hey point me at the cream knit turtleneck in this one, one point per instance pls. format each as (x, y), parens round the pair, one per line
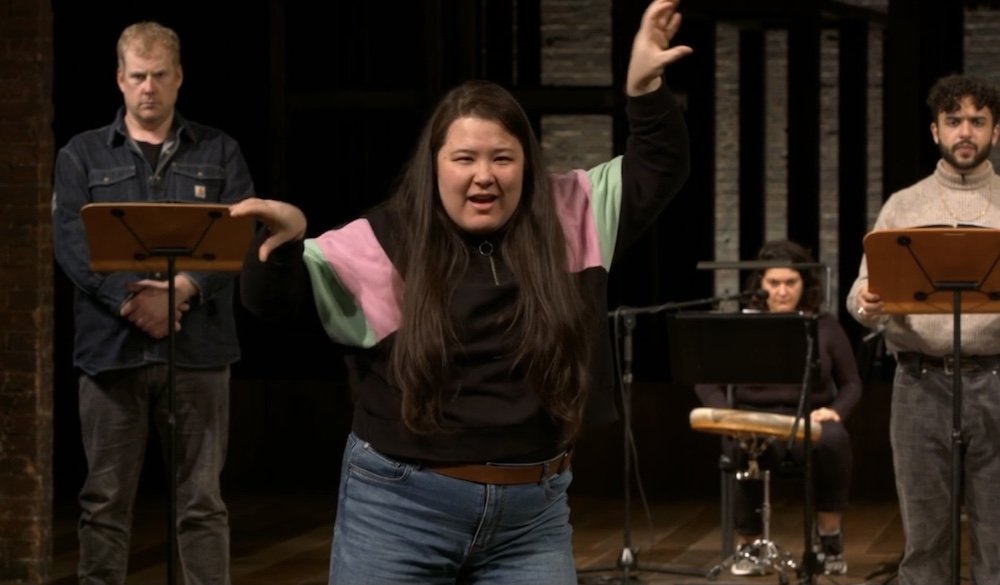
(942, 199)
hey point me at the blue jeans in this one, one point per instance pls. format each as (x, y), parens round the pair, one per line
(920, 430)
(401, 523)
(115, 410)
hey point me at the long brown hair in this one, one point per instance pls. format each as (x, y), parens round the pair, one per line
(554, 348)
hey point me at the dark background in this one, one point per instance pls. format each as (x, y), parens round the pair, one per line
(326, 99)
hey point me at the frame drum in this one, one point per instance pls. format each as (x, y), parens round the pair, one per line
(745, 423)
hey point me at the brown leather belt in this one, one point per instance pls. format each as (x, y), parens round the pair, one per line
(506, 474)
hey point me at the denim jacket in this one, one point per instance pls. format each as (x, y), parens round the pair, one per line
(197, 164)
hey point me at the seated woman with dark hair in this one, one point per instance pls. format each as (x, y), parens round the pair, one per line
(838, 390)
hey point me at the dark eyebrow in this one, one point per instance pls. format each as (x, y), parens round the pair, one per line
(961, 117)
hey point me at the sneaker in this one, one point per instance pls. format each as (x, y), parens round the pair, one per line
(831, 555)
(746, 564)
(834, 565)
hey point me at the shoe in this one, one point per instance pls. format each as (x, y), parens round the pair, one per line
(831, 555)
(834, 565)
(746, 564)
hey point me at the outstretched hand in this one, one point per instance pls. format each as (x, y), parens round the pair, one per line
(651, 50)
(284, 222)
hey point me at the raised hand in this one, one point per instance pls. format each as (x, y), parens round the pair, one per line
(284, 221)
(651, 50)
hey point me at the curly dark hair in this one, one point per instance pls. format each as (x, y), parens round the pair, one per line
(793, 253)
(947, 93)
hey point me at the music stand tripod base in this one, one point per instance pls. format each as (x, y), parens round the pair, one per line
(627, 564)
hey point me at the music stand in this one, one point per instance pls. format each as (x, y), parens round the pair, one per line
(166, 237)
(939, 270)
(785, 350)
(627, 560)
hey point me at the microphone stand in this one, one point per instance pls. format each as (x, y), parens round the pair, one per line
(809, 564)
(627, 560)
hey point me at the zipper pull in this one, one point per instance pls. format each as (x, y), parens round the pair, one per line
(486, 249)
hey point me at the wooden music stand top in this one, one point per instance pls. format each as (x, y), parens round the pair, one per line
(918, 270)
(138, 237)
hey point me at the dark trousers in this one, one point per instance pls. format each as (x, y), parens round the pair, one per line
(115, 411)
(920, 429)
(831, 466)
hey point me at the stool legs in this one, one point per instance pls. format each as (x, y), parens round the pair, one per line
(770, 554)
(763, 552)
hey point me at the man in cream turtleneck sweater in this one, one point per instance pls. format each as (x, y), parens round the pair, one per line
(964, 189)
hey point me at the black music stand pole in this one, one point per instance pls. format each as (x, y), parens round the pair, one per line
(627, 561)
(809, 565)
(138, 237)
(171, 256)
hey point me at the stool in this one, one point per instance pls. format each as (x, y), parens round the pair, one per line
(754, 432)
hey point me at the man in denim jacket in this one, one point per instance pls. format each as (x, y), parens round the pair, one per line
(149, 153)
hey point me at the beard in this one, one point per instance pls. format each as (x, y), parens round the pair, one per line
(948, 155)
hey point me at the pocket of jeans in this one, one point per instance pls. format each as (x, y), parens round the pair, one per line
(556, 485)
(369, 464)
(907, 375)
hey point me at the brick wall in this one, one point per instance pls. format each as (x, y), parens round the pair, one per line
(26, 152)
(776, 171)
(982, 50)
(576, 51)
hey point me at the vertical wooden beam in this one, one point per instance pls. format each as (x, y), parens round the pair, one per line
(924, 41)
(529, 43)
(277, 56)
(529, 52)
(852, 167)
(625, 16)
(803, 131)
(496, 25)
(434, 51)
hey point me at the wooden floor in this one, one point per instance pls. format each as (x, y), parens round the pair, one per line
(282, 538)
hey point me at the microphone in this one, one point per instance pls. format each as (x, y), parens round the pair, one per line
(741, 296)
(747, 295)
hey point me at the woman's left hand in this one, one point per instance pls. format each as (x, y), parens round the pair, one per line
(822, 414)
(651, 50)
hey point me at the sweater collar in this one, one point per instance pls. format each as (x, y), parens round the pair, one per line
(964, 182)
